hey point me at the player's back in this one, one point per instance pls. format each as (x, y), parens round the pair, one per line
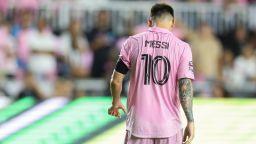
(156, 59)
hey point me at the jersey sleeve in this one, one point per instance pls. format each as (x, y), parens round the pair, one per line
(185, 69)
(125, 53)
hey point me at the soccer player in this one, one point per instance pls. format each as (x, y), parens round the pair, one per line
(161, 71)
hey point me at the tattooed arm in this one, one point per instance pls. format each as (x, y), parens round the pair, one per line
(186, 97)
(186, 100)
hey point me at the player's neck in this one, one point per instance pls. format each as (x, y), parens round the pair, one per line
(163, 26)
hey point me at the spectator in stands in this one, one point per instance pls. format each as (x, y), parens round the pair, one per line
(207, 52)
(101, 39)
(8, 63)
(236, 40)
(77, 51)
(24, 21)
(228, 66)
(21, 31)
(252, 39)
(245, 65)
(42, 62)
(230, 77)
(31, 88)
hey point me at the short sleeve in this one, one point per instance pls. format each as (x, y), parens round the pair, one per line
(125, 53)
(185, 69)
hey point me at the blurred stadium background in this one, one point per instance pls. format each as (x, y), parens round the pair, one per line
(56, 57)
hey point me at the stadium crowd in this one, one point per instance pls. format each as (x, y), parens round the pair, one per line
(38, 60)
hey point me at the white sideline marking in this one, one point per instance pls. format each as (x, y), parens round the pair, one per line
(30, 116)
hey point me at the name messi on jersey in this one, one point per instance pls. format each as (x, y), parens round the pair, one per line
(156, 44)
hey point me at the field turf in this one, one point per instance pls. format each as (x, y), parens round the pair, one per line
(218, 121)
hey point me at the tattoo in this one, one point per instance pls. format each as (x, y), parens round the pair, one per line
(186, 97)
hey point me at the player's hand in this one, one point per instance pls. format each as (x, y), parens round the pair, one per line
(114, 109)
(189, 133)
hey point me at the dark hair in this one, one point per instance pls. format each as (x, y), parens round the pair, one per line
(159, 9)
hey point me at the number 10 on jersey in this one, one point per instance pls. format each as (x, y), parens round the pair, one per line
(151, 69)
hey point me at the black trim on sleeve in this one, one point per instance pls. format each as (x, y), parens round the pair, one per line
(121, 67)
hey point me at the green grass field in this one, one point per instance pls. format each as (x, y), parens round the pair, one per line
(218, 121)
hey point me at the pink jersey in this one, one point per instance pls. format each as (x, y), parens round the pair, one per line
(157, 60)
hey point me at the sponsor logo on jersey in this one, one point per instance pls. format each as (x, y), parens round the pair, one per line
(190, 66)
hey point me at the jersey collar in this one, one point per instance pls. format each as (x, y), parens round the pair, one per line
(158, 29)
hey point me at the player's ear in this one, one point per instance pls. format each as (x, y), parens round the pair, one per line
(150, 22)
(172, 23)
